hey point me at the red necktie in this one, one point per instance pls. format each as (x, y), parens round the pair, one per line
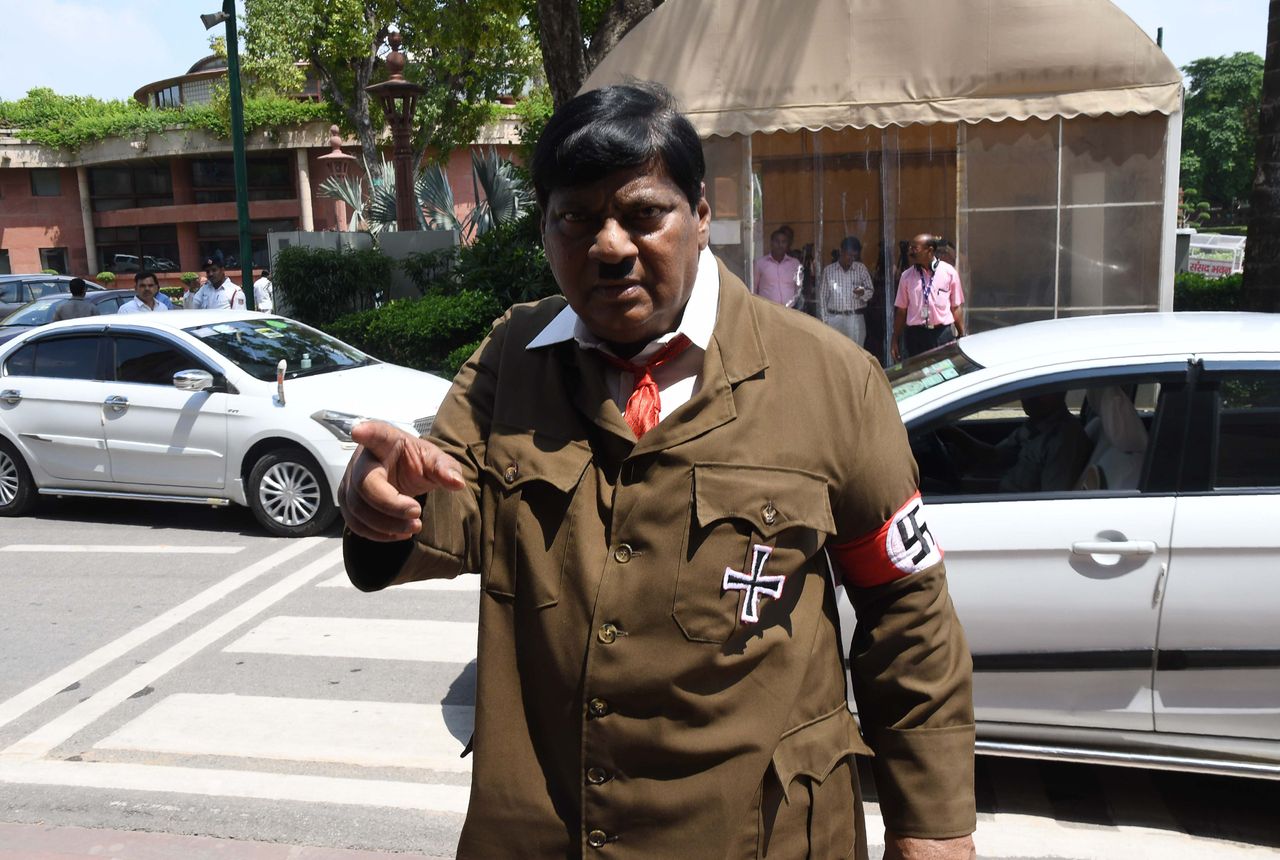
(644, 406)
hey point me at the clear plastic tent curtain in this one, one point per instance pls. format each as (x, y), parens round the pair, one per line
(1050, 218)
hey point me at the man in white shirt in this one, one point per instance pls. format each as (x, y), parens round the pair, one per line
(264, 293)
(220, 293)
(846, 288)
(146, 286)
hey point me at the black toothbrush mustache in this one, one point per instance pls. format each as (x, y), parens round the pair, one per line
(617, 271)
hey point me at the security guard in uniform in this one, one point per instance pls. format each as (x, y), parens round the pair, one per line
(651, 501)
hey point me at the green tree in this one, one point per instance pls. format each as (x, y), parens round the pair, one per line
(466, 53)
(1262, 253)
(1220, 127)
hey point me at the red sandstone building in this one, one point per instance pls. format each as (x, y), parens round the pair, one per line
(164, 201)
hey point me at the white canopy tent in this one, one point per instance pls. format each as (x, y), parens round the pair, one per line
(1042, 136)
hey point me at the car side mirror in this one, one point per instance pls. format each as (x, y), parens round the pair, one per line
(193, 380)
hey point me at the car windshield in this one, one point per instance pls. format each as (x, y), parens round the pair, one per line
(922, 372)
(258, 345)
(38, 312)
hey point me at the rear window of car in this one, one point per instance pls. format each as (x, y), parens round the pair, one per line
(257, 346)
(38, 312)
(59, 358)
(922, 372)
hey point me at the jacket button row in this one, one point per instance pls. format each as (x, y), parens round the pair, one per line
(512, 472)
(597, 838)
(623, 554)
(597, 707)
(608, 633)
(597, 776)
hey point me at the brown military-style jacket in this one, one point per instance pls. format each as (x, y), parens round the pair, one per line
(625, 708)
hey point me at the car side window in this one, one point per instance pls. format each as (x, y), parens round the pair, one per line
(150, 362)
(21, 362)
(66, 358)
(9, 291)
(40, 289)
(1248, 431)
(1090, 436)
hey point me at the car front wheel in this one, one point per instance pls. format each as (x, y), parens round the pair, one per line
(17, 490)
(289, 494)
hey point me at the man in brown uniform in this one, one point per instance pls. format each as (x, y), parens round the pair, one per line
(647, 493)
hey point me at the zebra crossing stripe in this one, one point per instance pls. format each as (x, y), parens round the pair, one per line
(364, 733)
(370, 638)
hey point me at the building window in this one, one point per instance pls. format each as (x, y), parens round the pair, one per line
(46, 182)
(4, 263)
(223, 237)
(134, 187)
(213, 179)
(128, 249)
(55, 259)
(169, 97)
(198, 92)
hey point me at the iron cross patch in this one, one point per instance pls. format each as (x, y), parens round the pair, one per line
(755, 583)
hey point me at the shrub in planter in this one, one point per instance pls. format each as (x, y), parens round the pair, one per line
(107, 279)
(1192, 292)
(435, 333)
(318, 285)
(189, 278)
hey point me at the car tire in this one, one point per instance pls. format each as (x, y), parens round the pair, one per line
(17, 489)
(289, 494)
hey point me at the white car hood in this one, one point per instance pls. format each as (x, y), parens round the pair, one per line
(385, 391)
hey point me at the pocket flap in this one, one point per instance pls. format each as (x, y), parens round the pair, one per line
(814, 749)
(516, 457)
(771, 499)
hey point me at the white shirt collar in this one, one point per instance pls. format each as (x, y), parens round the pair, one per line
(697, 324)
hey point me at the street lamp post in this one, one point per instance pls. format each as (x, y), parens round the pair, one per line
(339, 165)
(398, 98)
(228, 16)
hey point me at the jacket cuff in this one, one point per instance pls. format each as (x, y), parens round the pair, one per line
(924, 779)
(372, 566)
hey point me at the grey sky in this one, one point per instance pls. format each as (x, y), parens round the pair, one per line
(109, 49)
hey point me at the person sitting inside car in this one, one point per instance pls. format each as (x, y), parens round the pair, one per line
(1047, 453)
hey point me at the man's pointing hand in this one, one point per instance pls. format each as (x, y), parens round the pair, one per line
(386, 473)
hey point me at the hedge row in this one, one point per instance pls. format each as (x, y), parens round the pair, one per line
(1192, 292)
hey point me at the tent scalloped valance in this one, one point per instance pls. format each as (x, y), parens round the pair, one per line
(745, 66)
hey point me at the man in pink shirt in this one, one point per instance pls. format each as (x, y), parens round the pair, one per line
(777, 274)
(928, 301)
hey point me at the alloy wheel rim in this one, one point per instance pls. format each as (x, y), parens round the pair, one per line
(289, 493)
(8, 479)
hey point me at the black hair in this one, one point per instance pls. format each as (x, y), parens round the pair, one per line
(78, 286)
(615, 128)
(143, 274)
(780, 232)
(851, 243)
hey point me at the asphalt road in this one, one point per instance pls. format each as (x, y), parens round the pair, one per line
(171, 669)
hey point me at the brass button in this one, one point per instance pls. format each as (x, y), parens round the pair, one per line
(623, 554)
(770, 513)
(597, 776)
(512, 472)
(597, 838)
(597, 707)
(608, 634)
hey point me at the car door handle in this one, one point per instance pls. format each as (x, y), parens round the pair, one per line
(12, 396)
(1114, 547)
(117, 403)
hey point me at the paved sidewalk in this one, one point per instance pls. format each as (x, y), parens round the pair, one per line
(43, 842)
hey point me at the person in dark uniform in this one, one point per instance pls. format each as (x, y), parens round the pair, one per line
(660, 670)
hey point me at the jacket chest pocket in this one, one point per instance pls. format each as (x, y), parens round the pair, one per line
(750, 528)
(531, 482)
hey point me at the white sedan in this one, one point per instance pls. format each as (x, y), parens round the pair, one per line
(207, 407)
(1114, 557)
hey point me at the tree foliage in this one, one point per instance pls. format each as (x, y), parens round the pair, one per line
(1219, 128)
(467, 53)
(1262, 253)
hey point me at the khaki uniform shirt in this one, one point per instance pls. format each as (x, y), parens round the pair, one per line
(626, 707)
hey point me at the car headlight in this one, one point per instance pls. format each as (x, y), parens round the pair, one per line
(339, 424)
